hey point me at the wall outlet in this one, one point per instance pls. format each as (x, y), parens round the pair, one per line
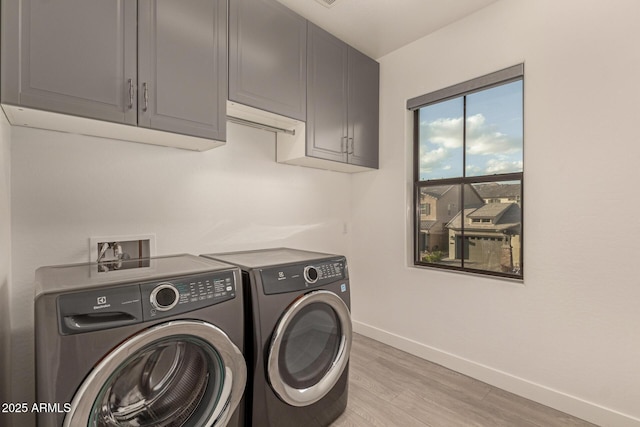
(131, 246)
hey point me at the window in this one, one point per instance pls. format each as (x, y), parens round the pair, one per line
(468, 168)
(425, 209)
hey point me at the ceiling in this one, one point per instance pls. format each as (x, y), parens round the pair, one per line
(377, 27)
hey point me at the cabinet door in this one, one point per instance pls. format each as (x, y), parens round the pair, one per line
(267, 57)
(70, 56)
(182, 66)
(363, 113)
(327, 96)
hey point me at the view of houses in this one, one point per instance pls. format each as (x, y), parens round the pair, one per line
(478, 226)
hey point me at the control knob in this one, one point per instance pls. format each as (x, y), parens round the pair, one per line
(311, 274)
(164, 297)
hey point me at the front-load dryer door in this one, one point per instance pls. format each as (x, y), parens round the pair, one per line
(183, 373)
(310, 348)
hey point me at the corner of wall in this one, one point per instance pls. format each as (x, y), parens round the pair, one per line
(5, 260)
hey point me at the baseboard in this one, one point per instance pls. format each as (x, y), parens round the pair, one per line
(572, 405)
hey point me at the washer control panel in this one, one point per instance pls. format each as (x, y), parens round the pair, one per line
(332, 270)
(115, 306)
(179, 295)
(289, 278)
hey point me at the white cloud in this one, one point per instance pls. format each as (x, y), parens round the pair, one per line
(444, 142)
(473, 170)
(503, 166)
(444, 132)
(485, 139)
(432, 158)
(495, 166)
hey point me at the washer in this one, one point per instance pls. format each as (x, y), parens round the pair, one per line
(156, 345)
(300, 335)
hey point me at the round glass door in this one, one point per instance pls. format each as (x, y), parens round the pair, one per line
(178, 374)
(310, 348)
(160, 386)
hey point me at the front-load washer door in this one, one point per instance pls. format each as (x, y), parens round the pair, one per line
(183, 373)
(310, 348)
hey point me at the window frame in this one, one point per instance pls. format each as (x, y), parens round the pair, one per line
(499, 78)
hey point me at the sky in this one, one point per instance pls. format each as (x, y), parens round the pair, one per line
(494, 134)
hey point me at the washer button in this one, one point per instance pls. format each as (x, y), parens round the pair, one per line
(311, 274)
(164, 297)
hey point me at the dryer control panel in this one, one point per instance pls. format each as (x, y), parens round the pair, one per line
(127, 304)
(290, 278)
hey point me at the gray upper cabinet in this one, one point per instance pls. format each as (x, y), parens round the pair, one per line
(267, 57)
(363, 110)
(327, 96)
(69, 56)
(157, 64)
(342, 103)
(182, 66)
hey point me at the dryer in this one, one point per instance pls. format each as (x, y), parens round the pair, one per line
(157, 345)
(299, 335)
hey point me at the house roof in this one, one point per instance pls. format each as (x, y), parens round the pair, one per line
(455, 221)
(427, 225)
(506, 216)
(497, 190)
(490, 210)
(436, 191)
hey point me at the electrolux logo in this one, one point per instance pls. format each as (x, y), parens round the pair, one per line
(102, 303)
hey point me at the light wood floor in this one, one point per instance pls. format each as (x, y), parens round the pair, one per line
(388, 387)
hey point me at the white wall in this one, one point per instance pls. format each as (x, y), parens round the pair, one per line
(67, 188)
(5, 257)
(569, 335)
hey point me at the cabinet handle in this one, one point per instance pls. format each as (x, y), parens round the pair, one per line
(131, 94)
(145, 95)
(352, 148)
(344, 145)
